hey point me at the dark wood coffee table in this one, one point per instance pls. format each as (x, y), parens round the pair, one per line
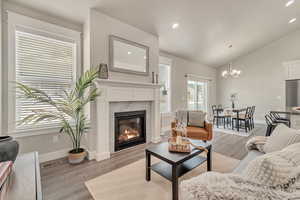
(174, 165)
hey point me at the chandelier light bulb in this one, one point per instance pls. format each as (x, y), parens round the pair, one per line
(225, 73)
(234, 73)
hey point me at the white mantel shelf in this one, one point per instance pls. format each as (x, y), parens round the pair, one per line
(126, 83)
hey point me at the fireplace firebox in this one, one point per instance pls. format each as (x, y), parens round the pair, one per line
(130, 129)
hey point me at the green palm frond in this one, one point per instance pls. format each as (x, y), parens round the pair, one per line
(85, 81)
(34, 94)
(68, 110)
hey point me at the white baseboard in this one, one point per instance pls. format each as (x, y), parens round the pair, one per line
(91, 155)
(259, 121)
(164, 130)
(53, 155)
(102, 156)
(156, 140)
(62, 153)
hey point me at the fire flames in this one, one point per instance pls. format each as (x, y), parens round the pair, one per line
(128, 134)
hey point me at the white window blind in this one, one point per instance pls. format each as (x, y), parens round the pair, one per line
(44, 63)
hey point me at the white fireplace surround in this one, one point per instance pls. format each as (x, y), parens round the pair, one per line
(113, 91)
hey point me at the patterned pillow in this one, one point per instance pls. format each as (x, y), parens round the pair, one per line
(196, 118)
(279, 169)
(281, 137)
(256, 143)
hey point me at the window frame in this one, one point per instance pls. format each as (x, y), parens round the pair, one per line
(167, 61)
(17, 22)
(196, 78)
(196, 103)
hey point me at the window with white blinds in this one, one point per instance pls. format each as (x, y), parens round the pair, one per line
(44, 63)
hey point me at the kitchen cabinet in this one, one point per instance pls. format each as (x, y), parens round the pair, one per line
(292, 69)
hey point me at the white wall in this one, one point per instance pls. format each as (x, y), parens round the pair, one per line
(262, 81)
(181, 67)
(99, 26)
(45, 144)
(95, 44)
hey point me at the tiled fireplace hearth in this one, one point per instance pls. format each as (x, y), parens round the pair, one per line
(127, 114)
(130, 129)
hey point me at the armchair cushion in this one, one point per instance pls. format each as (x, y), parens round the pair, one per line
(196, 118)
(195, 132)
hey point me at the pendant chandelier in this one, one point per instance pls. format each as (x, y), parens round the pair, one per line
(230, 72)
(233, 73)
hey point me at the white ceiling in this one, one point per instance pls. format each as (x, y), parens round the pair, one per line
(206, 29)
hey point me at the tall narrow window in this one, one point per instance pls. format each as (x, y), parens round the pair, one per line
(44, 63)
(197, 95)
(165, 81)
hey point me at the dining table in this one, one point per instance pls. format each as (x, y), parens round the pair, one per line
(237, 111)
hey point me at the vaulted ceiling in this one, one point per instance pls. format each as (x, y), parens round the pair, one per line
(206, 27)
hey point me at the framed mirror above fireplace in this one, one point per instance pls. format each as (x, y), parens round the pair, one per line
(128, 57)
(130, 129)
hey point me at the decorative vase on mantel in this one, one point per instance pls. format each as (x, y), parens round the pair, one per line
(9, 149)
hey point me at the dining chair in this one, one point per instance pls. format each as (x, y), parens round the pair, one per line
(252, 117)
(214, 107)
(245, 118)
(278, 119)
(270, 125)
(219, 116)
(214, 112)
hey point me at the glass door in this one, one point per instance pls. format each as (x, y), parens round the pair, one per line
(197, 95)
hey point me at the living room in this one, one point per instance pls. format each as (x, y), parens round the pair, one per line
(139, 99)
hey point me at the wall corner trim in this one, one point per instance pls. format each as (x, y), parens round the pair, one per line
(102, 156)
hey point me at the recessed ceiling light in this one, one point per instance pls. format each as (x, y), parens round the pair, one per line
(292, 20)
(175, 26)
(129, 53)
(290, 2)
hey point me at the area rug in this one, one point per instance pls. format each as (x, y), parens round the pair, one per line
(129, 182)
(241, 132)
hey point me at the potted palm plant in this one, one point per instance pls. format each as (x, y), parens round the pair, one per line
(68, 110)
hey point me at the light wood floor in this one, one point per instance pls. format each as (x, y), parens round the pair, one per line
(61, 181)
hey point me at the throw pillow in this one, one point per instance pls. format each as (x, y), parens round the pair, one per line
(281, 137)
(182, 115)
(196, 118)
(279, 169)
(256, 143)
